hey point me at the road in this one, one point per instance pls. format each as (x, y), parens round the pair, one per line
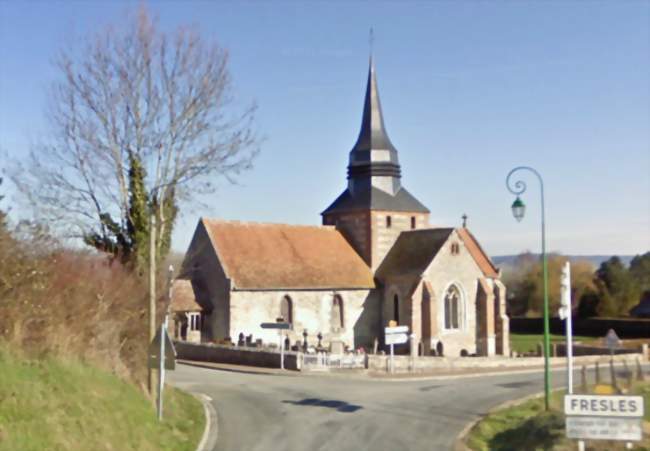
(270, 412)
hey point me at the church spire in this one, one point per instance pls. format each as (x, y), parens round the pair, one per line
(373, 135)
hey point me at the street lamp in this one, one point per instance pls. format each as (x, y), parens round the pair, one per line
(518, 211)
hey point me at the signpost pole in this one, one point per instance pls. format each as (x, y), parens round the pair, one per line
(161, 371)
(392, 363)
(281, 351)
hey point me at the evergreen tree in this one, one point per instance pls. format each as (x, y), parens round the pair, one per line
(640, 271)
(616, 288)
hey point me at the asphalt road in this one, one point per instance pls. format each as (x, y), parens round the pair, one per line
(269, 412)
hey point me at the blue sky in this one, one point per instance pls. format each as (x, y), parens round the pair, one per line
(469, 90)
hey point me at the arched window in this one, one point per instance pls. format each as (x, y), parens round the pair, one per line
(389, 222)
(452, 308)
(413, 222)
(337, 322)
(396, 309)
(286, 309)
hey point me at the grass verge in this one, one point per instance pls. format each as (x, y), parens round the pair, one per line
(55, 404)
(528, 427)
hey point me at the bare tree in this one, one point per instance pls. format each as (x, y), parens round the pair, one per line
(142, 120)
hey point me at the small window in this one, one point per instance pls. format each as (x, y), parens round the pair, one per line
(455, 249)
(337, 314)
(286, 309)
(194, 321)
(412, 222)
(396, 309)
(389, 222)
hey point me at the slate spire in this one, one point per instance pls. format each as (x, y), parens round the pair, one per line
(374, 171)
(374, 155)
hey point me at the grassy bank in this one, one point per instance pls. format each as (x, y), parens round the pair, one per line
(55, 404)
(528, 427)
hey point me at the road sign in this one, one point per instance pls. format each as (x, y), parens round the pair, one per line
(612, 340)
(601, 428)
(154, 351)
(396, 330)
(275, 326)
(603, 417)
(604, 405)
(396, 339)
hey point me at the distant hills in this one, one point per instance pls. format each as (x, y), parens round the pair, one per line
(596, 260)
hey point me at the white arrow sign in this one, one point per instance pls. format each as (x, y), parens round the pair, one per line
(396, 330)
(396, 339)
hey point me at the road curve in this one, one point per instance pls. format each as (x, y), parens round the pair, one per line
(269, 412)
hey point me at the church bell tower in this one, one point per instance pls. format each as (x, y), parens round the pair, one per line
(375, 208)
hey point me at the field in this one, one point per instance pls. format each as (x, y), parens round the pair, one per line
(524, 343)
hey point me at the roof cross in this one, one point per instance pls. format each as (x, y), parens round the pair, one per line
(464, 217)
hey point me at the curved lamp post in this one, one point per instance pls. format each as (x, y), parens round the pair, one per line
(518, 211)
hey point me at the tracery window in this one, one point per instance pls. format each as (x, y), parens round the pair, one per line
(452, 308)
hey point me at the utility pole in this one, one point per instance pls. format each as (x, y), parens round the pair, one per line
(152, 295)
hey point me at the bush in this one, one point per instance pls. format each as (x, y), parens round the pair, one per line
(68, 302)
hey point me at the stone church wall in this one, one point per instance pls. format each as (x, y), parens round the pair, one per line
(312, 310)
(210, 285)
(461, 270)
(383, 237)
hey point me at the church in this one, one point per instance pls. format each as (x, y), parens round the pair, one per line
(375, 259)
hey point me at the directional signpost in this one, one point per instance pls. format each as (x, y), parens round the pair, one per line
(395, 335)
(162, 356)
(280, 326)
(599, 417)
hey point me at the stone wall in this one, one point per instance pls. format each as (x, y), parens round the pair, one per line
(210, 284)
(403, 364)
(383, 237)
(234, 355)
(312, 310)
(355, 227)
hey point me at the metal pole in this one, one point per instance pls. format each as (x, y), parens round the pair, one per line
(281, 351)
(161, 373)
(152, 294)
(569, 335)
(519, 188)
(547, 337)
(392, 362)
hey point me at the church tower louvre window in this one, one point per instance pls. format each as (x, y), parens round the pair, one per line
(374, 208)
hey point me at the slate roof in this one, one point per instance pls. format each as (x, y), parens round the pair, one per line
(376, 199)
(281, 256)
(183, 299)
(415, 249)
(374, 155)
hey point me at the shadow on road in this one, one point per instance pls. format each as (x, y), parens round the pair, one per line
(340, 406)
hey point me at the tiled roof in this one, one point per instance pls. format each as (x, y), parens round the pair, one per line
(414, 250)
(183, 299)
(480, 257)
(281, 256)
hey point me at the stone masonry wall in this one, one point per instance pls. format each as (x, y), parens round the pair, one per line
(312, 310)
(210, 284)
(383, 237)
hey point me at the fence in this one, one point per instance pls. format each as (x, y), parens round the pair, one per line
(323, 361)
